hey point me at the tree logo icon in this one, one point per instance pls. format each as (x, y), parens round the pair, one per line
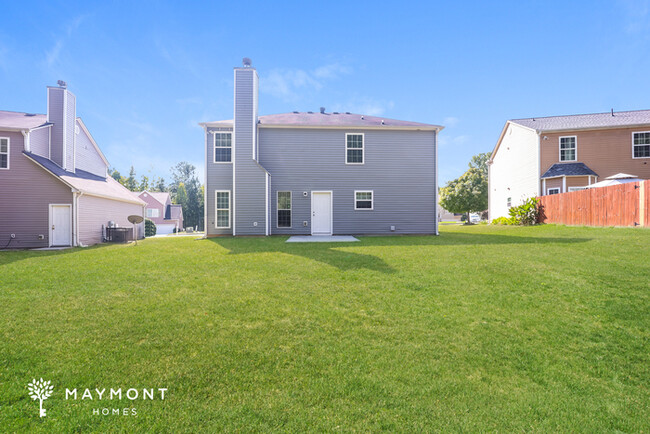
(40, 390)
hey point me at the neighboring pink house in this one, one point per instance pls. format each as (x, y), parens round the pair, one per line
(54, 183)
(161, 211)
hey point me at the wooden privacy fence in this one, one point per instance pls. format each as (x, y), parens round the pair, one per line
(616, 205)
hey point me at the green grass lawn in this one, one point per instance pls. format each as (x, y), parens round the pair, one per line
(480, 329)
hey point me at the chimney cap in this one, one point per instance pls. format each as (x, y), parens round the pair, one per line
(247, 62)
(62, 84)
(322, 109)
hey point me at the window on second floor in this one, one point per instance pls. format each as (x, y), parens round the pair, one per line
(568, 148)
(4, 152)
(222, 147)
(153, 212)
(354, 148)
(641, 145)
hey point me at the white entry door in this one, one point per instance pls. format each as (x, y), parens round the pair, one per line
(60, 225)
(321, 213)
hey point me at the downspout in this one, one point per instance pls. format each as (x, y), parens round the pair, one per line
(435, 180)
(77, 196)
(205, 187)
(539, 161)
(26, 144)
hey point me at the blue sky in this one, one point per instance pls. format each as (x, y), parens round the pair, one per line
(145, 73)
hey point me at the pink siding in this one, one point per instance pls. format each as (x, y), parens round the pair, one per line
(39, 142)
(154, 204)
(25, 194)
(95, 212)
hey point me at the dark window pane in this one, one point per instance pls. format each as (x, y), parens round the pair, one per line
(355, 156)
(641, 151)
(364, 204)
(3, 161)
(222, 154)
(284, 200)
(284, 218)
(223, 218)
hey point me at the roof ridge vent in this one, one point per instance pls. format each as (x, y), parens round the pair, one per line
(295, 112)
(322, 110)
(335, 113)
(347, 113)
(311, 113)
(382, 122)
(361, 117)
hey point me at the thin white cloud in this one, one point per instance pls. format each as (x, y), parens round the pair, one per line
(459, 140)
(177, 56)
(52, 55)
(365, 106)
(637, 14)
(450, 121)
(290, 84)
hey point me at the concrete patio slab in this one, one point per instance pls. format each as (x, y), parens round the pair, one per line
(322, 239)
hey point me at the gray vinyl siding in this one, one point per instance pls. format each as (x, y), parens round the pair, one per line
(70, 123)
(399, 167)
(28, 191)
(39, 142)
(55, 115)
(87, 157)
(219, 177)
(250, 177)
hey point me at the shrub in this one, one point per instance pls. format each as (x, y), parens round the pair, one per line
(525, 214)
(503, 221)
(149, 228)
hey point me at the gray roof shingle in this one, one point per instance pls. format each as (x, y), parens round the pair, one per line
(568, 169)
(332, 119)
(586, 121)
(22, 121)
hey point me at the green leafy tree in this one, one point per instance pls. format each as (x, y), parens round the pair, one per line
(480, 162)
(185, 173)
(117, 176)
(144, 183)
(466, 194)
(131, 183)
(158, 184)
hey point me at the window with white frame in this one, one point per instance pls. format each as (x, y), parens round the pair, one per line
(509, 202)
(222, 147)
(4, 152)
(553, 191)
(576, 188)
(353, 148)
(568, 148)
(222, 209)
(153, 212)
(363, 200)
(284, 209)
(641, 145)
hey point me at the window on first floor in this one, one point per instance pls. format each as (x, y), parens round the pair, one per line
(222, 209)
(553, 191)
(222, 147)
(568, 148)
(641, 145)
(363, 200)
(509, 202)
(354, 149)
(284, 209)
(153, 212)
(4, 152)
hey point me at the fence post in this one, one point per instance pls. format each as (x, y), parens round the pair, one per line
(642, 204)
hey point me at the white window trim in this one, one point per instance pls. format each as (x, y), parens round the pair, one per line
(277, 209)
(363, 149)
(152, 210)
(8, 153)
(633, 133)
(372, 200)
(216, 210)
(577, 188)
(559, 148)
(548, 190)
(214, 147)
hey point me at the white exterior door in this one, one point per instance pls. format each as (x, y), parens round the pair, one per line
(60, 225)
(321, 213)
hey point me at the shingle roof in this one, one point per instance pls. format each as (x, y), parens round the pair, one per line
(586, 121)
(568, 169)
(21, 121)
(87, 182)
(332, 119)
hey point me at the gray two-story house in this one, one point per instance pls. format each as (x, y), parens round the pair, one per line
(317, 173)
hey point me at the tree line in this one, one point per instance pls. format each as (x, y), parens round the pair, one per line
(185, 189)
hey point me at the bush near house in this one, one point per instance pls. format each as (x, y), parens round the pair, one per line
(149, 228)
(525, 214)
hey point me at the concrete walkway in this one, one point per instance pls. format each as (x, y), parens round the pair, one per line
(322, 239)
